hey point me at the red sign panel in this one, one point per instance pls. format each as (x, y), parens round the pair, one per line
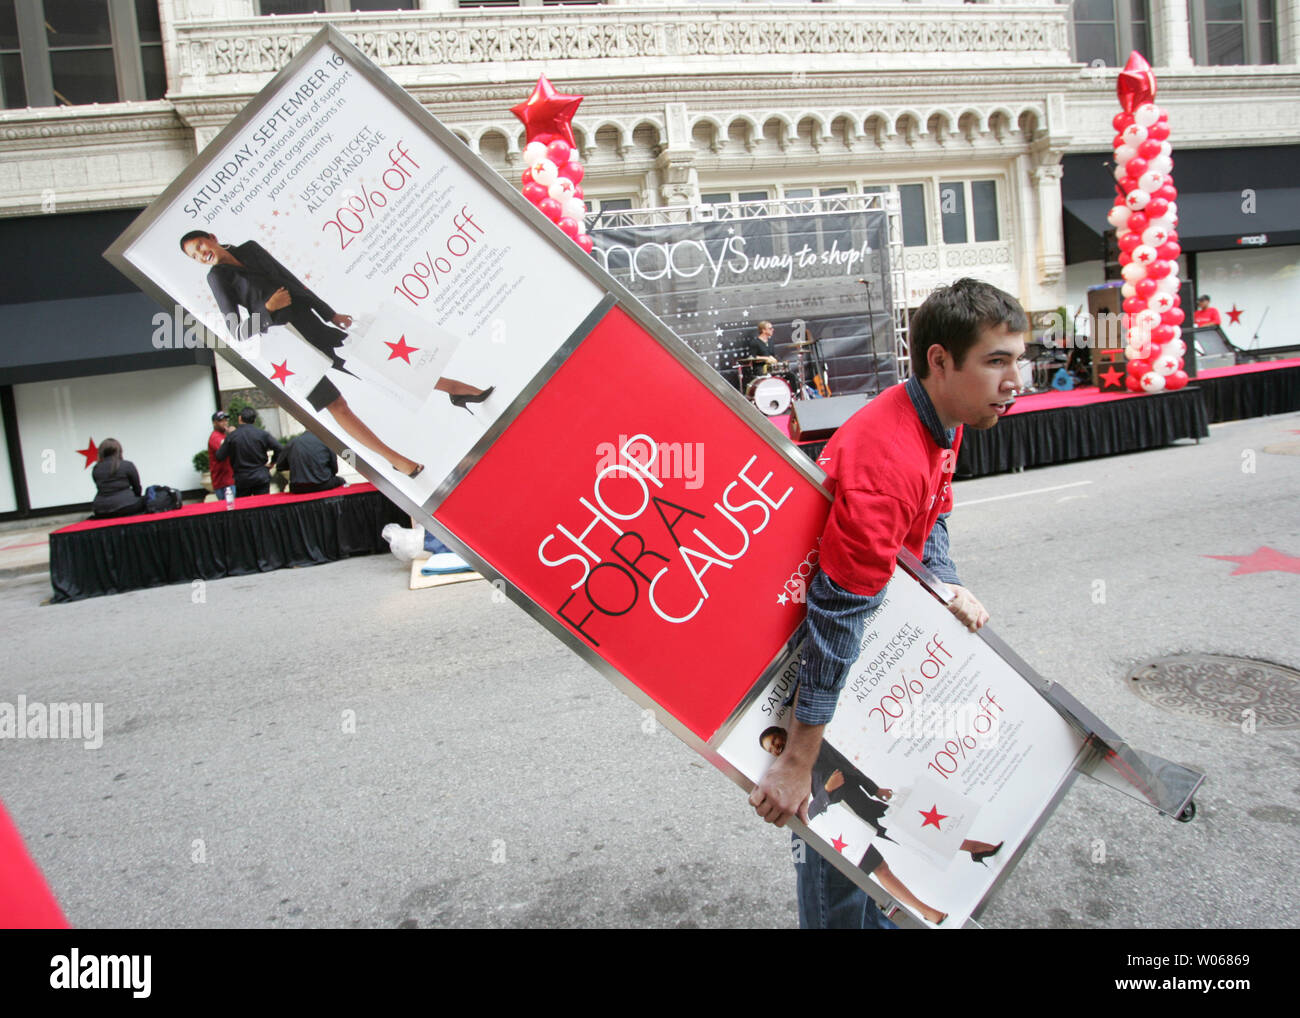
(677, 548)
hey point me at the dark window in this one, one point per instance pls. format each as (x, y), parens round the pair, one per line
(1233, 32)
(151, 53)
(80, 45)
(69, 52)
(912, 199)
(13, 93)
(332, 6)
(1106, 31)
(1225, 32)
(1140, 39)
(292, 6)
(952, 211)
(984, 207)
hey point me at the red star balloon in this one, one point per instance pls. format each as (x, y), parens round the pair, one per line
(400, 349)
(1262, 560)
(1136, 84)
(90, 452)
(1235, 314)
(281, 373)
(547, 111)
(932, 817)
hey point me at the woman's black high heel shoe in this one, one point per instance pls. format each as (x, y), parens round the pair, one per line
(462, 401)
(979, 857)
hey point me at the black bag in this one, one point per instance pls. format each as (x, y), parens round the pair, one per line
(158, 498)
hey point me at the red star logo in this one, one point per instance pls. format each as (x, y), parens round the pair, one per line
(1235, 314)
(1262, 560)
(400, 349)
(839, 843)
(932, 817)
(1111, 376)
(91, 453)
(282, 372)
(547, 111)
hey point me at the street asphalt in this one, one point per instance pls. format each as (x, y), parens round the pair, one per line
(323, 747)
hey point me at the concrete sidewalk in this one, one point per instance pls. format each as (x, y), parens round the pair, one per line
(25, 544)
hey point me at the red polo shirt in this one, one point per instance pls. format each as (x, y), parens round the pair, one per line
(223, 473)
(889, 482)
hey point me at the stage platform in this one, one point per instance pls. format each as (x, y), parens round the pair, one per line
(1060, 427)
(207, 541)
(1250, 390)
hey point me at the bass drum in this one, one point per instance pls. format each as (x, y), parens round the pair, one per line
(770, 394)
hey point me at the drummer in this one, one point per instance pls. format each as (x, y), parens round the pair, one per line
(760, 347)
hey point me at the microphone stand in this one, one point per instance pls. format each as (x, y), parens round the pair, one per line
(871, 324)
(1254, 340)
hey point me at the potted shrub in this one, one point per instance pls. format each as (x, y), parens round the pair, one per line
(203, 466)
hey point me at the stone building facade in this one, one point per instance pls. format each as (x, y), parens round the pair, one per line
(973, 112)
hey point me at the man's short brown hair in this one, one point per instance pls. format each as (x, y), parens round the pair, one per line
(954, 316)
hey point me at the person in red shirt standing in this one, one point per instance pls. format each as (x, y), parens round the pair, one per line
(889, 469)
(223, 474)
(1205, 315)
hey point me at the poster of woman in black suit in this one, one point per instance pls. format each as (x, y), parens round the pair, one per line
(247, 276)
(773, 741)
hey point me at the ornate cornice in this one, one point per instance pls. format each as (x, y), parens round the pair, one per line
(729, 39)
(81, 124)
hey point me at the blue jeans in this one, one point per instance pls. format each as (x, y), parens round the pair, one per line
(828, 900)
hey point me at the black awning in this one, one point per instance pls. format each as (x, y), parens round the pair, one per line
(1260, 202)
(51, 339)
(1206, 222)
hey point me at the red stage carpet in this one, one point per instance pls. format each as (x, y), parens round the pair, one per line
(1087, 394)
(203, 508)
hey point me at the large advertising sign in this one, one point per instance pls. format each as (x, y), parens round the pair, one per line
(816, 274)
(342, 255)
(398, 297)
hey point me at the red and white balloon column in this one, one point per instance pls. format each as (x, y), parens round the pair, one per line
(553, 178)
(1145, 217)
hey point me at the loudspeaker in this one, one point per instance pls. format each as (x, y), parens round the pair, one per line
(1108, 332)
(815, 419)
(1207, 347)
(1110, 256)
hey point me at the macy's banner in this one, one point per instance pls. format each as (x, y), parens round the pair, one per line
(820, 274)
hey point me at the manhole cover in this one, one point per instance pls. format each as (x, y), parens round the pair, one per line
(1213, 687)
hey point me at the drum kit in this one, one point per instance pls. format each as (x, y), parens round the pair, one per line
(773, 386)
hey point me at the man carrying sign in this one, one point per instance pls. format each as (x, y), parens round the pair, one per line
(890, 470)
